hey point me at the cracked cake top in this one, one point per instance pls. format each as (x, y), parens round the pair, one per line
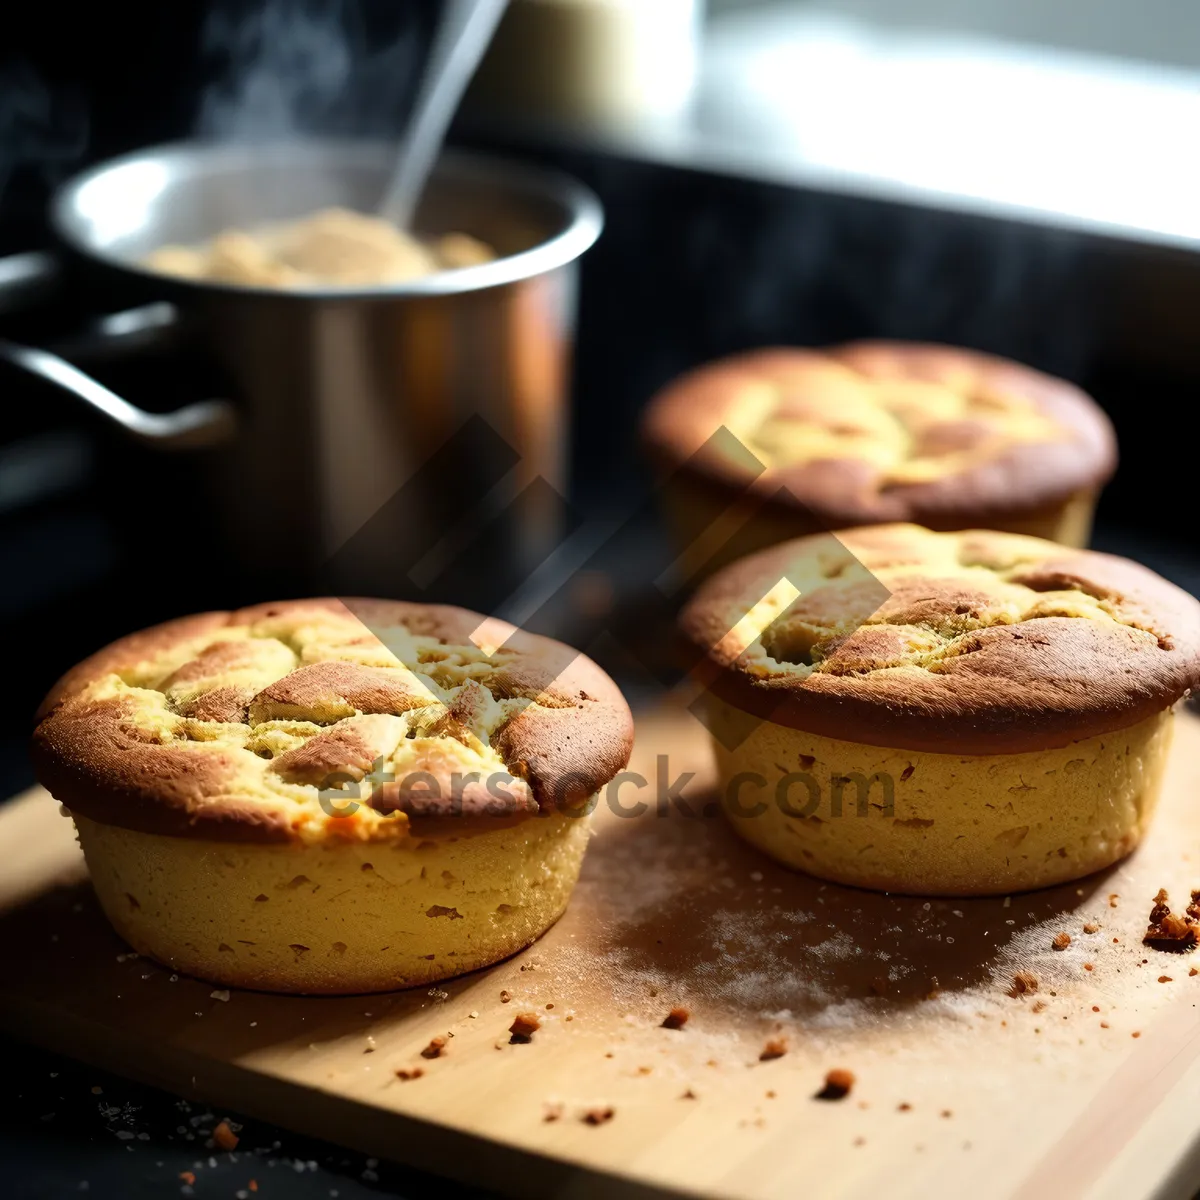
(315, 718)
(974, 642)
(879, 431)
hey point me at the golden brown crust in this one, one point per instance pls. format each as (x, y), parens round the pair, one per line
(131, 648)
(93, 757)
(333, 691)
(350, 748)
(877, 432)
(972, 642)
(225, 705)
(261, 724)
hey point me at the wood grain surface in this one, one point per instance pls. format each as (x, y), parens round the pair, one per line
(1088, 1087)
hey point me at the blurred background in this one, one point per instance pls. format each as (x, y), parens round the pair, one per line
(1001, 174)
(1017, 176)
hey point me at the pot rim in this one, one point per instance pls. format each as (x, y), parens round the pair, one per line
(582, 208)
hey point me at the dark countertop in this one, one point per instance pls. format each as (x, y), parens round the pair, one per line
(69, 1130)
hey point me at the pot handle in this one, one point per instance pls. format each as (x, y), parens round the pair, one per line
(27, 278)
(191, 427)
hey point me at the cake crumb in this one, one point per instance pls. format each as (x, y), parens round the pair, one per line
(1113, 897)
(553, 1112)
(407, 1073)
(598, 1116)
(677, 1018)
(1164, 979)
(904, 1106)
(224, 1137)
(1023, 983)
(1166, 931)
(773, 1048)
(1091, 927)
(1039, 1006)
(1136, 1033)
(1061, 940)
(524, 1027)
(947, 1113)
(1194, 971)
(505, 996)
(838, 1084)
(435, 1048)
(1104, 1025)
(689, 1095)
(1089, 966)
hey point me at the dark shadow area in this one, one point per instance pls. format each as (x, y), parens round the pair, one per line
(172, 1004)
(750, 937)
(67, 1129)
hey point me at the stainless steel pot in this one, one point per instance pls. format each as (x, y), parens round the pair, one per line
(341, 396)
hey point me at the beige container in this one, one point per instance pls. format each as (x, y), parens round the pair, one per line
(595, 62)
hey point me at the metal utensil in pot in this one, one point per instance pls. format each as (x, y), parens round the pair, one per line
(344, 395)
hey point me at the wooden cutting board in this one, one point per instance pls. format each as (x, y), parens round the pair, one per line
(1091, 1087)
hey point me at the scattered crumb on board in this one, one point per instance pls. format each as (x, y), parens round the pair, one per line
(524, 1026)
(677, 1018)
(838, 1084)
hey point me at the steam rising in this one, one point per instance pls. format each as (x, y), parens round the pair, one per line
(39, 128)
(295, 68)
